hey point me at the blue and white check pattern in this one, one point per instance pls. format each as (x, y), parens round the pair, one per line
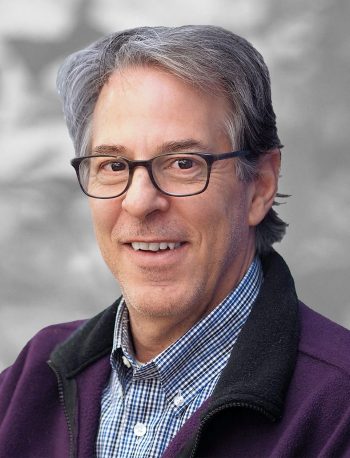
(143, 406)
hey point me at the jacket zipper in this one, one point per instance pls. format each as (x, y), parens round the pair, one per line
(61, 398)
(226, 406)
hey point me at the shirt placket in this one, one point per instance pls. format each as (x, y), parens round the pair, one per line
(139, 413)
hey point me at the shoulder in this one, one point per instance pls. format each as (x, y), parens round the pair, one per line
(316, 415)
(38, 349)
(324, 341)
(56, 333)
(49, 337)
(29, 383)
(319, 392)
(321, 378)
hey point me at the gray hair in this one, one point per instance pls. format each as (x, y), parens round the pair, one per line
(209, 58)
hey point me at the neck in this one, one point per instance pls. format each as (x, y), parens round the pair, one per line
(152, 336)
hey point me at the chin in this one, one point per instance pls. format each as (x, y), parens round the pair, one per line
(150, 305)
(160, 302)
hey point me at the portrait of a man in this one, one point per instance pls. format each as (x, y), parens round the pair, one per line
(208, 352)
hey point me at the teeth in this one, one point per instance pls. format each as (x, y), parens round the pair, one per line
(154, 246)
(135, 245)
(143, 246)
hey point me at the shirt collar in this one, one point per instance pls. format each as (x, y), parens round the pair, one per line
(198, 356)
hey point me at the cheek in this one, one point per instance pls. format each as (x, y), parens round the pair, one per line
(229, 220)
(228, 201)
(104, 215)
(213, 219)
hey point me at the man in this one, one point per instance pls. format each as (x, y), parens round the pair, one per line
(208, 352)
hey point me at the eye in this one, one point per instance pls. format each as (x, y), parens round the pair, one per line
(183, 163)
(114, 166)
(179, 165)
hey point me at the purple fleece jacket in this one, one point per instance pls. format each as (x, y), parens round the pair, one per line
(284, 393)
(316, 414)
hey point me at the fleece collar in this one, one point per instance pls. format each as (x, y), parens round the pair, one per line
(87, 344)
(263, 359)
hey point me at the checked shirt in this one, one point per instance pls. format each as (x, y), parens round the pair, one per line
(143, 406)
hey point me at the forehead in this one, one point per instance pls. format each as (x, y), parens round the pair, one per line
(157, 106)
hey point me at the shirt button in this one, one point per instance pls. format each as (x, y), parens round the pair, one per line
(126, 361)
(140, 429)
(179, 400)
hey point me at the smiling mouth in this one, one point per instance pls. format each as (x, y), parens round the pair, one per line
(155, 246)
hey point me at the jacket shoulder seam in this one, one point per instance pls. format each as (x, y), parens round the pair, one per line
(339, 368)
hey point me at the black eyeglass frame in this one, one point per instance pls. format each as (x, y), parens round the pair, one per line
(208, 157)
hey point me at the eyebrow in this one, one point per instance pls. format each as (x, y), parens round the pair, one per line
(182, 145)
(164, 148)
(109, 149)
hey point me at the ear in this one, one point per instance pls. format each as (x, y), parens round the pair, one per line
(264, 186)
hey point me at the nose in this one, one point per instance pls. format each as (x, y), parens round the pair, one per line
(142, 198)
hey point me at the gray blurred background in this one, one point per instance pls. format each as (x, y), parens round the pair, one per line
(51, 269)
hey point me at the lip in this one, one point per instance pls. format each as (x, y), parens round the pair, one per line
(155, 240)
(155, 259)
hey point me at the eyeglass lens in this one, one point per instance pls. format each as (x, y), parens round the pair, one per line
(177, 174)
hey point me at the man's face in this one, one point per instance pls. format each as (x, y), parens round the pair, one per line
(145, 112)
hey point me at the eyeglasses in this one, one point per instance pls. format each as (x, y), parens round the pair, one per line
(175, 174)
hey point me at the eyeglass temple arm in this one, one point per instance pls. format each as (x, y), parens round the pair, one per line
(240, 153)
